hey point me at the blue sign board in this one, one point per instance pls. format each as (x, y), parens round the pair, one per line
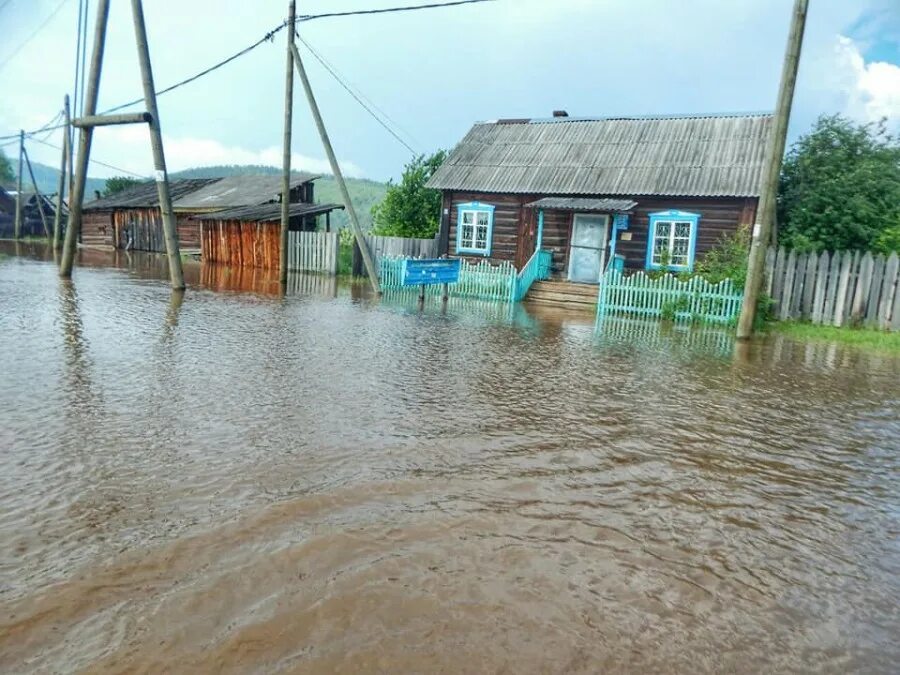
(430, 271)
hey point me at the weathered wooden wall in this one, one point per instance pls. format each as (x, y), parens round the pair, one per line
(838, 289)
(241, 244)
(515, 226)
(97, 229)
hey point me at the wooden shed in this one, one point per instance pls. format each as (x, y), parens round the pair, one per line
(251, 236)
(634, 192)
(134, 215)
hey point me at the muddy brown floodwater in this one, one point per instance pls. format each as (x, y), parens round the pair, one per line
(319, 482)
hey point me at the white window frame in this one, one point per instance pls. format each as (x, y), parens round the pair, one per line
(476, 209)
(672, 218)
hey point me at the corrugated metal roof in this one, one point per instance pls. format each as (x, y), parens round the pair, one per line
(263, 213)
(238, 191)
(715, 155)
(584, 204)
(145, 195)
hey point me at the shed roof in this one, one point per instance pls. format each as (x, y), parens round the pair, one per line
(264, 213)
(584, 204)
(146, 195)
(695, 155)
(238, 191)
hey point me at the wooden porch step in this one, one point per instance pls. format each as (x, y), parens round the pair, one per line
(582, 297)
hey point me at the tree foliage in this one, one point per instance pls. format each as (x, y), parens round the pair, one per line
(7, 175)
(840, 188)
(409, 209)
(119, 184)
(727, 259)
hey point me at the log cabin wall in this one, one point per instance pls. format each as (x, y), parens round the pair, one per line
(718, 216)
(515, 226)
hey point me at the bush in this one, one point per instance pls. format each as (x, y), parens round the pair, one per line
(727, 259)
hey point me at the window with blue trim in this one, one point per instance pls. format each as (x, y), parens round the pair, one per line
(474, 228)
(672, 240)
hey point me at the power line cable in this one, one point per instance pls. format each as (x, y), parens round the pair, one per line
(95, 161)
(390, 10)
(268, 37)
(356, 97)
(35, 32)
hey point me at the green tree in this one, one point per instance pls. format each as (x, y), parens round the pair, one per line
(840, 188)
(118, 184)
(7, 175)
(409, 209)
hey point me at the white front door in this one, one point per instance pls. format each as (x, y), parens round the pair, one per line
(587, 250)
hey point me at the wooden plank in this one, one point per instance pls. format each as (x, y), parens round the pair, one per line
(895, 311)
(778, 279)
(821, 284)
(790, 269)
(809, 286)
(771, 254)
(843, 282)
(872, 302)
(861, 292)
(799, 288)
(890, 286)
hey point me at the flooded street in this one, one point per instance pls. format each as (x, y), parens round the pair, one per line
(321, 482)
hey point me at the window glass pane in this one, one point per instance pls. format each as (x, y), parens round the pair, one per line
(483, 218)
(467, 236)
(661, 241)
(681, 243)
(481, 236)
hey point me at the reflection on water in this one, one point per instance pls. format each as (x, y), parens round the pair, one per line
(240, 479)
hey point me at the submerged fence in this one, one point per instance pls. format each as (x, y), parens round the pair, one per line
(665, 297)
(480, 280)
(838, 289)
(313, 252)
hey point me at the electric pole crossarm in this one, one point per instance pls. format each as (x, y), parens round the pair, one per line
(110, 120)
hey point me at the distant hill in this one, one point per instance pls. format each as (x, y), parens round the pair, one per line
(47, 178)
(364, 193)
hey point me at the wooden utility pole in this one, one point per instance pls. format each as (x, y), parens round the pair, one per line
(336, 170)
(90, 119)
(37, 196)
(85, 136)
(762, 230)
(176, 274)
(61, 186)
(286, 158)
(18, 225)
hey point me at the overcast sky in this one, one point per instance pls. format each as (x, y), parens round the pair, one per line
(435, 72)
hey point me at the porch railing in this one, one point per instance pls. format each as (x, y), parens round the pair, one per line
(665, 297)
(536, 269)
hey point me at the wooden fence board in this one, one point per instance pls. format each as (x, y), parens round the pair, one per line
(778, 276)
(784, 306)
(861, 291)
(821, 285)
(870, 315)
(313, 252)
(843, 283)
(770, 269)
(809, 286)
(890, 286)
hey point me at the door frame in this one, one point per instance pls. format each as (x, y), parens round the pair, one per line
(603, 248)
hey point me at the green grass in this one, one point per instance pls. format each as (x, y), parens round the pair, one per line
(868, 338)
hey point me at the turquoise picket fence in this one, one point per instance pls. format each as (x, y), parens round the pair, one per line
(480, 280)
(536, 269)
(666, 297)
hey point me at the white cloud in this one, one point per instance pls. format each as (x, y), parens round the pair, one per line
(130, 146)
(870, 90)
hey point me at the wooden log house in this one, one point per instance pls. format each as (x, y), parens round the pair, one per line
(632, 192)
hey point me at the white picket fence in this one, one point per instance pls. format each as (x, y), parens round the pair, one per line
(313, 252)
(845, 288)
